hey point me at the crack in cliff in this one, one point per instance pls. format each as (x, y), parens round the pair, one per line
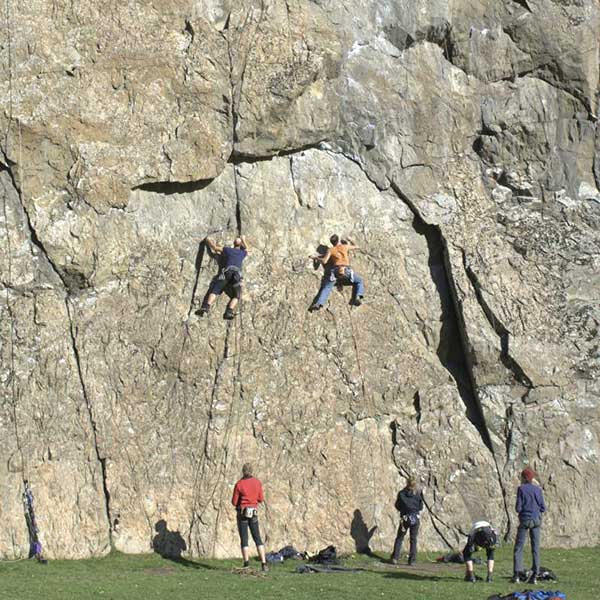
(467, 386)
(454, 357)
(93, 425)
(499, 328)
(524, 4)
(198, 268)
(295, 187)
(417, 407)
(33, 236)
(168, 188)
(236, 91)
(238, 201)
(199, 507)
(233, 424)
(238, 158)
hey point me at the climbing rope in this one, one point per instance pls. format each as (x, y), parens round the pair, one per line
(9, 307)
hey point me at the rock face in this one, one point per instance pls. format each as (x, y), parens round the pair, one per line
(455, 141)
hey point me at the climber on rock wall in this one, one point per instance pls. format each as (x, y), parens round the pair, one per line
(482, 535)
(229, 275)
(336, 262)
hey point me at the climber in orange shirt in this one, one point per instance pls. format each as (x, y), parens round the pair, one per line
(336, 262)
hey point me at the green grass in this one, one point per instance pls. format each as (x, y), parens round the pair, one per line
(127, 577)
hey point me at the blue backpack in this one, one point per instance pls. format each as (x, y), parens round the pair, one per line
(539, 595)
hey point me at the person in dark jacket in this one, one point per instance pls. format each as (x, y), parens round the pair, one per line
(247, 495)
(530, 507)
(482, 535)
(410, 503)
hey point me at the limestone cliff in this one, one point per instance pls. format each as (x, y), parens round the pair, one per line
(455, 141)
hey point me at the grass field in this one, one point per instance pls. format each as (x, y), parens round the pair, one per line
(126, 577)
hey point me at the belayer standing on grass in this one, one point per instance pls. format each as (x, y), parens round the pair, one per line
(530, 507)
(410, 503)
(247, 495)
(229, 275)
(482, 535)
(336, 261)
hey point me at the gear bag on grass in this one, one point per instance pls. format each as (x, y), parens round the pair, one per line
(327, 556)
(531, 595)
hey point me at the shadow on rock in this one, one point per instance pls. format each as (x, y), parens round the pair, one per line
(171, 545)
(361, 534)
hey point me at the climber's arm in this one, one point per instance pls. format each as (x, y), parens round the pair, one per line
(214, 248)
(322, 258)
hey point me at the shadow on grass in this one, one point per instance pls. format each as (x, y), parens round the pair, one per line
(423, 571)
(194, 564)
(411, 576)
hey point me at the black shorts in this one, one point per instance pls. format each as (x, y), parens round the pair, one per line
(228, 281)
(470, 549)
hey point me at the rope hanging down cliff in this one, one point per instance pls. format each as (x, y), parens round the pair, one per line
(35, 545)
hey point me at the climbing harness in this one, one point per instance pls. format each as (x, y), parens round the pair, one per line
(232, 275)
(35, 546)
(342, 275)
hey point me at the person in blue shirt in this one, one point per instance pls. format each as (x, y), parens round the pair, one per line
(530, 507)
(229, 277)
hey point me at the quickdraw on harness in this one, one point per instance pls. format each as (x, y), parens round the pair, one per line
(233, 272)
(409, 520)
(35, 546)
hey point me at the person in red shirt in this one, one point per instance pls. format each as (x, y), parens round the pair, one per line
(247, 495)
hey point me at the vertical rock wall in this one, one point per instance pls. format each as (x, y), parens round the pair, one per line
(455, 141)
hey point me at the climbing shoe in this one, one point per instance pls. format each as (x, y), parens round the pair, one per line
(229, 314)
(470, 578)
(357, 301)
(489, 578)
(315, 307)
(203, 310)
(264, 568)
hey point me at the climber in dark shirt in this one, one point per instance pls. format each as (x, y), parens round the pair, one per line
(229, 275)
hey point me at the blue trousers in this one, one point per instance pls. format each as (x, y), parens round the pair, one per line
(328, 283)
(534, 537)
